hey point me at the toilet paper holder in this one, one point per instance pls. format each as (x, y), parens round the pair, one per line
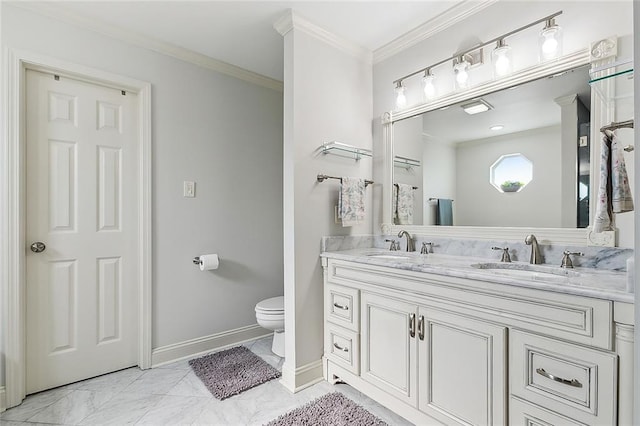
(196, 260)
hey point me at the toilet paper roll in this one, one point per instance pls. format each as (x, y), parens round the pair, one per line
(209, 262)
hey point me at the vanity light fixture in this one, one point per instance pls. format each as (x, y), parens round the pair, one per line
(550, 40)
(501, 58)
(428, 86)
(401, 99)
(476, 106)
(550, 47)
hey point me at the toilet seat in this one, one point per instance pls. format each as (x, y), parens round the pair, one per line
(274, 305)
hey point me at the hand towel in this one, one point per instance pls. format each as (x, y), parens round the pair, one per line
(405, 204)
(621, 196)
(394, 203)
(351, 201)
(614, 193)
(602, 219)
(444, 212)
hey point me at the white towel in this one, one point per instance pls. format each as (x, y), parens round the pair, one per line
(405, 204)
(614, 193)
(351, 201)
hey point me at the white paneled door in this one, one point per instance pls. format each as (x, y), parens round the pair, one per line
(81, 230)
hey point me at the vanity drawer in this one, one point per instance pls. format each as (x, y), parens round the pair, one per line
(570, 379)
(343, 347)
(522, 413)
(342, 306)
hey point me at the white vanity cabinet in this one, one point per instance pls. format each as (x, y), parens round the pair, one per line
(458, 351)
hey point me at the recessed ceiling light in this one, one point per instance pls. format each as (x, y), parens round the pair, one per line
(496, 127)
(477, 106)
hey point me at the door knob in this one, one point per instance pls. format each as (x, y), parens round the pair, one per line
(38, 247)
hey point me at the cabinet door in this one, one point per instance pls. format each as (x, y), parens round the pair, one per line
(462, 369)
(388, 351)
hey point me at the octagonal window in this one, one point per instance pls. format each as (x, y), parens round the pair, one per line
(511, 173)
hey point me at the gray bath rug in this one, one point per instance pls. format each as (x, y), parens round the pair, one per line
(232, 371)
(333, 409)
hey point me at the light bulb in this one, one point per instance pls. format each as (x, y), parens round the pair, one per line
(428, 87)
(550, 41)
(462, 75)
(549, 45)
(501, 57)
(401, 99)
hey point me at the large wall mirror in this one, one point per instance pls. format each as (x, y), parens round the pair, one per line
(527, 162)
(500, 159)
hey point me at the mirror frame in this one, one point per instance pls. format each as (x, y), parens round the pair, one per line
(568, 236)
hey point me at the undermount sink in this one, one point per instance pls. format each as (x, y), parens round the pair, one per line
(389, 256)
(526, 270)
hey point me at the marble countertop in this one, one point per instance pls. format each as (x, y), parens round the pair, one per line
(590, 282)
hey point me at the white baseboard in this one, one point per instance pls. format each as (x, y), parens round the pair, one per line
(189, 348)
(302, 377)
(3, 400)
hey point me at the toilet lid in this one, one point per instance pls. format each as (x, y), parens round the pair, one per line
(273, 304)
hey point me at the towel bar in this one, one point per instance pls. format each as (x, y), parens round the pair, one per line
(322, 178)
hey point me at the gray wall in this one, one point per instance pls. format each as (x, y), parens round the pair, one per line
(223, 133)
(327, 97)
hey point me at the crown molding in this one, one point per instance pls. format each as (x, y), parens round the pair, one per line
(60, 13)
(292, 20)
(433, 26)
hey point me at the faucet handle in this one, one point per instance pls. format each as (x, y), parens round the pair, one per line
(505, 254)
(427, 247)
(394, 245)
(566, 258)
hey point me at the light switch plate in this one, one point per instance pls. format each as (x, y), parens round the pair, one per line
(189, 189)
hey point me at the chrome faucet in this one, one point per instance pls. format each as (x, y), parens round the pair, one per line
(531, 240)
(410, 244)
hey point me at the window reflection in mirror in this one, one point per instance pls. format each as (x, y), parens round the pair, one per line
(541, 120)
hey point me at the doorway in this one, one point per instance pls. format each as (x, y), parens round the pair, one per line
(64, 273)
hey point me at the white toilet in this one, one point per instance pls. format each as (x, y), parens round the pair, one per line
(270, 315)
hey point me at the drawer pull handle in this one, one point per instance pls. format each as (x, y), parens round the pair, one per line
(572, 382)
(412, 325)
(335, 345)
(344, 308)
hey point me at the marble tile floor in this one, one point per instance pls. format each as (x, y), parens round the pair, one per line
(173, 395)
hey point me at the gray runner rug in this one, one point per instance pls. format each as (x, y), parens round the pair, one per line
(333, 409)
(229, 372)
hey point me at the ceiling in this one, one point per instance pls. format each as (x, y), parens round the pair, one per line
(241, 32)
(524, 107)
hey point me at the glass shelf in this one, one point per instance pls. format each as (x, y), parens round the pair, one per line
(405, 162)
(344, 150)
(613, 82)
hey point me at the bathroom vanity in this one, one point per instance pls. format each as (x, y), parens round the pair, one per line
(438, 340)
